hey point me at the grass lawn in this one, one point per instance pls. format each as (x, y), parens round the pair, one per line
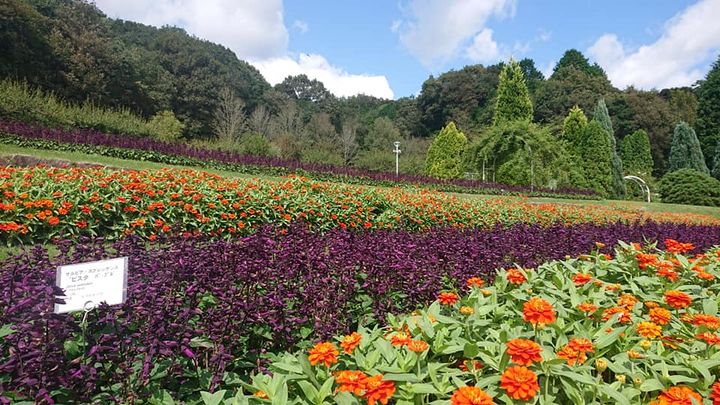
(9, 150)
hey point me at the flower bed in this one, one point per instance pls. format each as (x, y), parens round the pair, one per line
(38, 204)
(139, 148)
(200, 313)
(635, 329)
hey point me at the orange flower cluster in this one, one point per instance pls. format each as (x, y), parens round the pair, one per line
(575, 352)
(325, 353)
(523, 352)
(374, 389)
(673, 246)
(581, 278)
(448, 298)
(678, 395)
(520, 383)
(471, 396)
(515, 276)
(350, 342)
(677, 299)
(538, 312)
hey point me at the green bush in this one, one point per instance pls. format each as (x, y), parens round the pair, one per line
(688, 186)
(166, 126)
(21, 102)
(444, 158)
(255, 144)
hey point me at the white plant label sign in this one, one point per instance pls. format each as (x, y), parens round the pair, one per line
(86, 285)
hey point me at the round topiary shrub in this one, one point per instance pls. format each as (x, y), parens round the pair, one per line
(688, 186)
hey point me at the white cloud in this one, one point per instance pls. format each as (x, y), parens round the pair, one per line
(338, 81)
(252, 29)
(255, 31)
(688, 40)
(301, 26)
(483, 48)
(435, 31)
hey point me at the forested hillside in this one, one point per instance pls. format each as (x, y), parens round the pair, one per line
(70, 48)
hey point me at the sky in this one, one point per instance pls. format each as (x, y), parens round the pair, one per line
(388, 48)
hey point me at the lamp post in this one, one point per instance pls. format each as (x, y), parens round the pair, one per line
(397, 157)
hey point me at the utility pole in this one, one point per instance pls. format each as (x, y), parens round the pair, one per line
(397, 158)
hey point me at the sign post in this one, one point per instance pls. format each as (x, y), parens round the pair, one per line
(86, 285)
(397, 157)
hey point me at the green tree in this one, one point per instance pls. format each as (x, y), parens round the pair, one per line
(575, 59)
(166, 126)
(513, 99)
(602, 116)
(708, 117)
(716, 162)
(574, 127)
(685, 151)
(635, 153)
(523, 153)
(596, 154)
(444, 158)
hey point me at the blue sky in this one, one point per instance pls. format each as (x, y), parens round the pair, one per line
(388, 48)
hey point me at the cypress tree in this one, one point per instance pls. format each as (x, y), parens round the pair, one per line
(635, 154)
(596, 153)
(708, 121)
(513, 99)
(716, 162)
(603, 118)
(574, 127)
(445, 155)
(685, 150)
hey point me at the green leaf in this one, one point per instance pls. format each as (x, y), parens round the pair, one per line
(325, 390)
(6, 330)
(471, 350)
(651, 385)
(614, 394)
(424, 389)
(281, 395)
(606, 339)
(213, 399)
(309, 390)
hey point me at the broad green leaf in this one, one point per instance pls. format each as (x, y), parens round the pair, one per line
(213, 399)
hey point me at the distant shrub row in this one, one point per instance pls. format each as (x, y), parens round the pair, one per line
(21, 102)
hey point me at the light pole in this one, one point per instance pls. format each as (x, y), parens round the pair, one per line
(397, 158)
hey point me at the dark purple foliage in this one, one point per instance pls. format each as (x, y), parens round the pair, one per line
(252, 295)
(95, 138)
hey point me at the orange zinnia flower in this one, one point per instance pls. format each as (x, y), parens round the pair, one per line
(471, 396)
(660, 316)
(610, 312)
(627, 301)
(53, 221)
(582, 345)
(325, 353)
(649, 330)
(673, 246)
(515, 276)
(571, 355)
(400, 339)
(261, 394)
(587, 307)
(475, 282)
(350, 342)
(715, 393)
(581, 278)
(448, 298)
(678, 395)
(520, 383)
(634, 355)
(711, 322)
(350, 381)
(709, 338)
(677, 299)
(646, 260)
(538, 311)
(417, 346)
(376, 389)
(524, 352)
(467, 310)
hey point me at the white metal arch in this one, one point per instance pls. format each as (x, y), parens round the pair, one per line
(643, 185)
